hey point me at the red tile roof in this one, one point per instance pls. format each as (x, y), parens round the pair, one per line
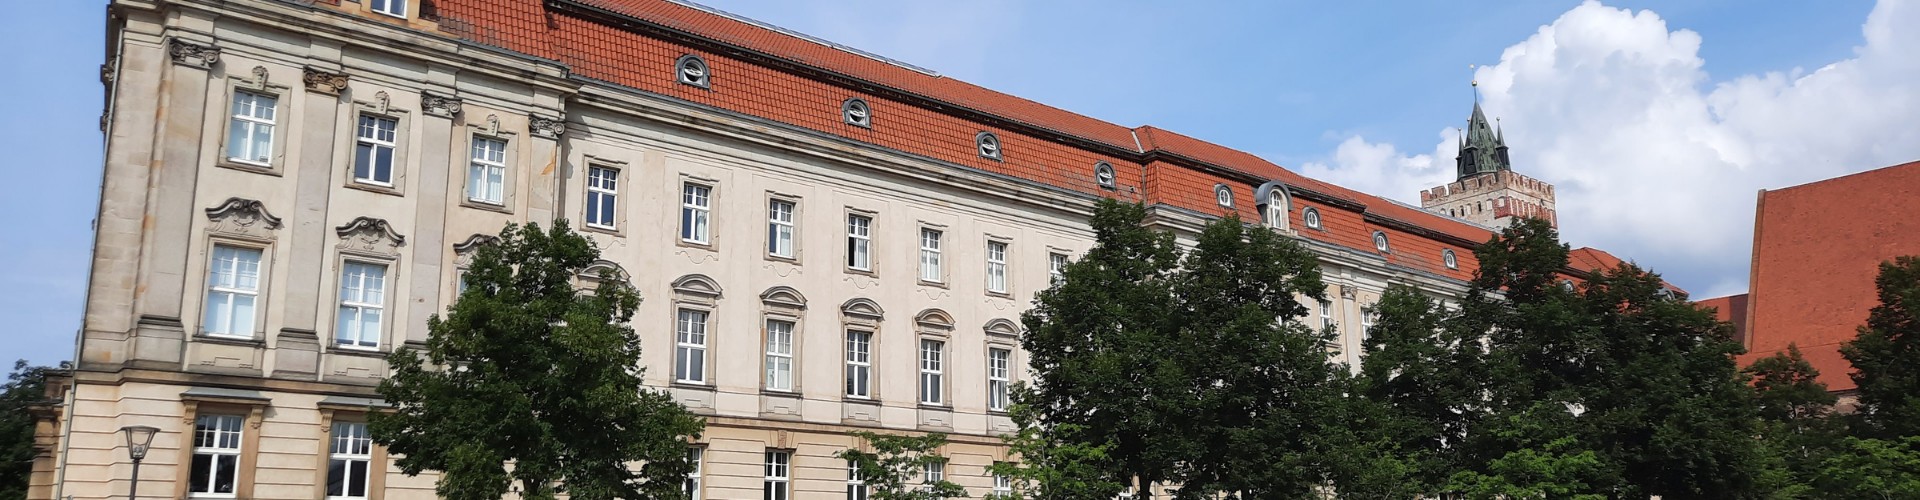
(1731, 309)
(1816, 250)
(766, 72)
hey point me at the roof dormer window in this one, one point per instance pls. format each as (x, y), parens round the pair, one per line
(1447, 257)
(1223, 195)
(988, 144)
(395, 8)
(1380, 241)
(1103, 174)
(856, 112)
(692, 70)
(1311, 217)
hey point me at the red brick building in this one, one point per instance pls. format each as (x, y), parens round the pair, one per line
(1816, 250)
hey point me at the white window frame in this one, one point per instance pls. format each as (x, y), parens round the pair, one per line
(395, 8)
(859, 242)
(1311, 217)
(251, 124)
(375, 143)
(211, 437)
(690, 343)
(930, 255)
(1277, 209)
(859, 360)
(996, 266)
(1366, 321)
(777, 484)
(361, 306)
(696, 213)
(230, 294)
(1326, 314)
(603, 190)
(358, 447)
(933, 372)
(779, 362)
(487, 170)
(1002, 485)
(692, 486)
(782, 236)
(856, 485)
(932, 473)
(999, 378)
(1056, 265)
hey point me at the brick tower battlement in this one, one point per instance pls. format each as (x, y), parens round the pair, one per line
(1493, 200)
(1487, 191)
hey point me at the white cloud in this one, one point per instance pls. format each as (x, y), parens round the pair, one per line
(1651, 158)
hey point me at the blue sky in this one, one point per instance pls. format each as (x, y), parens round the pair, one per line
(1658, 124)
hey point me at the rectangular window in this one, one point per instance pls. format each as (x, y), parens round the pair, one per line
(233, 286)
(374, 141)
(859, 364)
(1057, 265)
(778, 475)
(932, 473)
(695, 209)
(999, 377)
(216, 456)
(363, 298)
(1002, 485)
(930, 255)
(780, 228)
(690, 347)
(997, 266)
(856, 485)
(250, 130)
(860, 242)
(349, 460)
(1366, 321)
(487, 172)
(779, 355)
(603, 195)
(931, 352)
(395, 8)
(1326, 314)
(692, 486)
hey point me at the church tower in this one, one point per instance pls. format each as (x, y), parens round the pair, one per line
(1486, 191)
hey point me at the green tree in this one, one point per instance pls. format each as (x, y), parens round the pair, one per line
(1871, 468)
(1797, 424)
(1257, 380)
(1886, 355)
(1620, 363)
(897, 462)
(1054, 462)
(1417, 394)
(531, 379)
(1097, 342)
(1550, 472)
(26, 387)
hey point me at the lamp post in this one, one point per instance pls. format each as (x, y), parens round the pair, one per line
(138, 438)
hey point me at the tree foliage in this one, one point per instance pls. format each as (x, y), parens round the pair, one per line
(26, 386)
(532, 380)
(1055, 462)
(1886, 355)
(897, 462)
(1414, 399)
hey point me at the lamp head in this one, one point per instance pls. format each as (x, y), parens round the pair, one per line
(139, 437)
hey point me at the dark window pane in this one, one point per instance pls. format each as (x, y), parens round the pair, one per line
(197, 478)
(357, 478)
(223, 478)
(362, 161)
(336, 477)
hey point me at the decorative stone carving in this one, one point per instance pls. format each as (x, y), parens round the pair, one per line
(323, 82)
(546, 126)
(242, 217)
(464, 251)
(784, 297)
(380, 102)
(439, 105)
(192, 54)
(367, 235)
(698, 285)
(259, 81)
(1348, 291)
(493, 125)
(108, 70)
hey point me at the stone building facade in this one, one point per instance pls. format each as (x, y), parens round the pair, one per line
(292, 187)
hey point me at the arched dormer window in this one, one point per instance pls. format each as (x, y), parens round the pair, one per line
(1447, 257)
(1103, 175)
(692, 70)
(1380, 242)
(856, 112)
(1223, 195)
(1311, 217)
(1275, 204)
(988, 144)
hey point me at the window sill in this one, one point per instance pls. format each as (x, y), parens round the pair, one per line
(779, 393)
(708, 246)
(859, 400)
(611, 231)
(375, 188)
(254, 341)
(795, 260)
(863, 272)
(360, 352)
(248, 167)
(935, 407)
(936, 284)
(485, 205)
(692, 386)
(1000, 295)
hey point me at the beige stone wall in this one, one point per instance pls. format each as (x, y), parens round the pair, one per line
(170, 195)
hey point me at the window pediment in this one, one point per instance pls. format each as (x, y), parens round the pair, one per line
(242, 217)
(464, 251)
(370, 236)
(698, 285)
(784, 296)
(1002, 327)
(862, 309)
(934, 321)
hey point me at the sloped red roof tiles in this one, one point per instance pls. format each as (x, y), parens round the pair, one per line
(776, 75)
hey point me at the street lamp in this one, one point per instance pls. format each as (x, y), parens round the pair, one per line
(138, 438)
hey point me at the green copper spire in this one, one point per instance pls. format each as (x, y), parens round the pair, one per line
(1483, 150)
